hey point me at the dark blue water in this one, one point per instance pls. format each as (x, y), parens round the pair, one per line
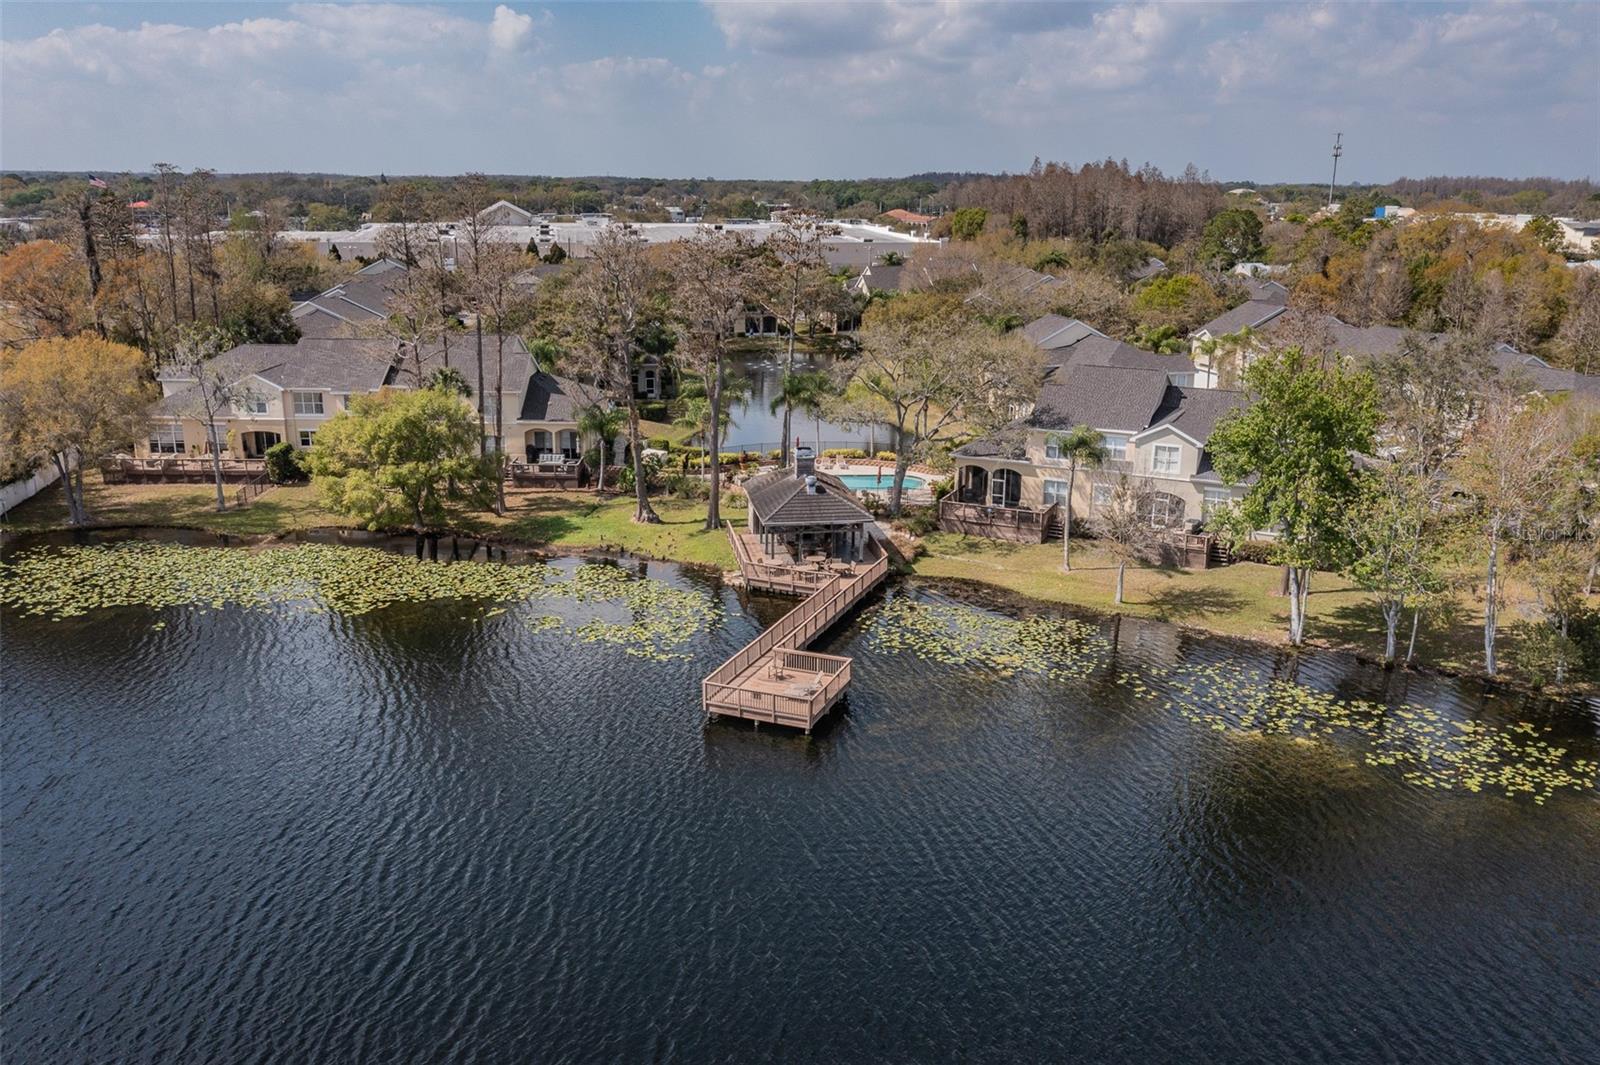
(427, 835)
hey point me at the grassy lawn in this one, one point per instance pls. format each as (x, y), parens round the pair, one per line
(581, 521)
(1236, 600)
(560, 520)
(188, 506)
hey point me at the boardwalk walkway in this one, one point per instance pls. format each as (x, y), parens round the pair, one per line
(774, 678)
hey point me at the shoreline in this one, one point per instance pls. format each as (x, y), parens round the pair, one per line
(972, 590)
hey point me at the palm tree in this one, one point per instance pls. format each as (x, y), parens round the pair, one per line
(1080, 446)
(808, 392)
(604, 422)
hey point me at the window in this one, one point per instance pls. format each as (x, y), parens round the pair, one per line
(166, 439)
(1055, 492)
(308, 402)
(1166, 510)
(1052, 450)
(255, 403)
(306, 436)
(1116, 446)
(1100, 495)
(1164, 459)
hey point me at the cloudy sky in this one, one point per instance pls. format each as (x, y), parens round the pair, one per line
(872, 88)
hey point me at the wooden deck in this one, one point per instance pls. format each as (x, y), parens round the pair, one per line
(1027, 525)
(774, 678)
(180, 471)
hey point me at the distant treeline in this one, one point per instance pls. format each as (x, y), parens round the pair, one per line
(1097, 202)
(638, 199)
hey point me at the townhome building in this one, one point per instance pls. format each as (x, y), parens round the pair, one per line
(1013, 485)
(286, 392)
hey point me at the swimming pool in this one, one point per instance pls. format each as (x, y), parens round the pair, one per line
(869, 482)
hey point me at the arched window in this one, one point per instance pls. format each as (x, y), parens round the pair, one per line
(538, 444)
(1166, 510)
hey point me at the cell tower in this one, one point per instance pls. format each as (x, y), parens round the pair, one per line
(1338, 150)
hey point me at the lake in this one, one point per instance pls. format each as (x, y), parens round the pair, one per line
(420, 828)
(753, 426)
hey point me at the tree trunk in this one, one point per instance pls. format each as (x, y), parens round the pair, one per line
(605, 456)
(75, 514)
(713, 506)
(483, 444)
(1411, 646)
(1283, 583)
(1296, 607)
(1588, 582)
(902, 461)
(1490, 607)
(1391, 629)
(216, 462)
(1121, 567)
(643, 512)
(1066, 529)
(499, 424)
(788, 372)
(91, 256)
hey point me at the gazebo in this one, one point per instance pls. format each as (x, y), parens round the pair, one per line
(798, 512)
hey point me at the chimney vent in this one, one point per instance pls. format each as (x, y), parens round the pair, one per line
(805, 462)
(811, 484)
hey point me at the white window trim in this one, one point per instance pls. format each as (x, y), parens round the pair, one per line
(1156, 467)
(314, 399)
(166, 438)
(1053, 491)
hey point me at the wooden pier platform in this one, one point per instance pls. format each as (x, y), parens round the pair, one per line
(774, 678)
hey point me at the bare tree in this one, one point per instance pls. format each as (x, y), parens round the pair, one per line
(607, 308)
(1510, 466)
(930, 372)
(711, 280)
(792, 284)
(500, 300)
(472, 235)
(1123, 525)
(215, 393)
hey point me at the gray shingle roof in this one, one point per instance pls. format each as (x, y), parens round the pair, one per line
(1103, 351)
(1057, 331)
(778, 497)
(1195, 412)
(549, 398)
(1102, 397)
(1252, 314)
(1263, 290)
(323, 364)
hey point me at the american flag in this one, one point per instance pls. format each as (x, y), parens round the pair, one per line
(97, 183)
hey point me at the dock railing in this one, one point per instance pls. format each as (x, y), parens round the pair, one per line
(799, 626)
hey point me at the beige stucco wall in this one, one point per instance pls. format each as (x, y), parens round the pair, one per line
(1037, 469)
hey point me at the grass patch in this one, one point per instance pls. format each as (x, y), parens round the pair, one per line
(287, 508)
(1237, 600)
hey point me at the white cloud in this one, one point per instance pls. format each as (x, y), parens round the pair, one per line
(511, 31)
(877, 86)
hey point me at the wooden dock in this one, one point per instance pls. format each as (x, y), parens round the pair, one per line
(774, 678)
